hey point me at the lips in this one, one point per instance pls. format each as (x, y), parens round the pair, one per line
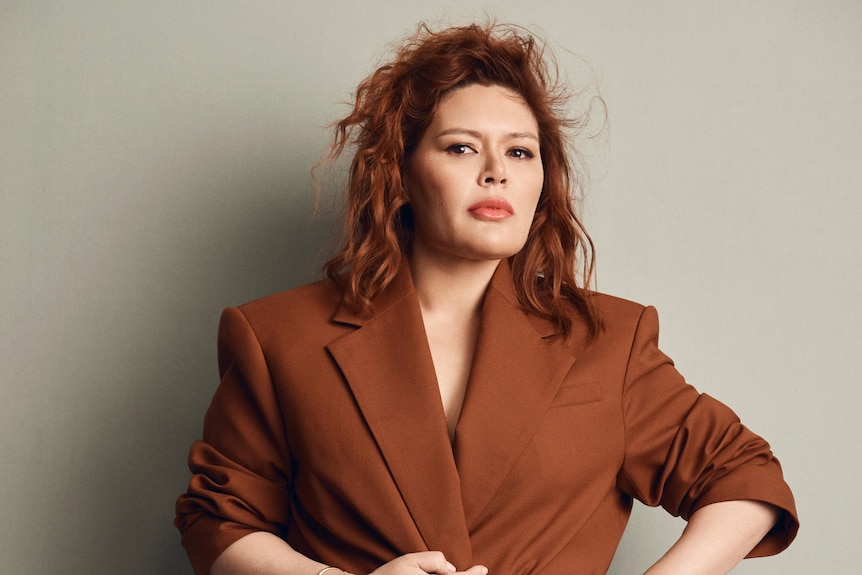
(492, 209)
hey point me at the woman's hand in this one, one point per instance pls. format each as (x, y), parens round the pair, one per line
(423, 563)
(263, 553)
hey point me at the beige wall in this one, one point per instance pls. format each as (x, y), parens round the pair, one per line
(154, 165)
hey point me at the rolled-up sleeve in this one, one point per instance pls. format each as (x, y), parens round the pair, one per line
(241, 475)
(686, 450)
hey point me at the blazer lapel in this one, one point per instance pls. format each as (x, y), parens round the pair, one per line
(517, 369)
(388, 365)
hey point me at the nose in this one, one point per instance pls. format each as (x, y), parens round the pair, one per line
(493, 171)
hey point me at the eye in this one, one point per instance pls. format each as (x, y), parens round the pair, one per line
(460, 149)
(521, 153)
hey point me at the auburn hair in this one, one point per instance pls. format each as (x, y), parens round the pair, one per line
(391, 111)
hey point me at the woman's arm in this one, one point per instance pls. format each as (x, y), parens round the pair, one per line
(717, 537)
(263, 553)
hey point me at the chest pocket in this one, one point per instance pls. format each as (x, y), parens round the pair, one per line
(577, 394)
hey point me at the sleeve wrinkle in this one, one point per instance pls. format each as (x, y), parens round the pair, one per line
(241, 469)
(677, 440)
(685, 450)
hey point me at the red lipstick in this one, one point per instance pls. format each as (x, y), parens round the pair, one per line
(492, 209)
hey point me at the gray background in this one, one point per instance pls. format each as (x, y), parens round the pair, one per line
(154, 161)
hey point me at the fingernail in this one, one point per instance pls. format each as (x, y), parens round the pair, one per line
(450, 566)
(484, 571)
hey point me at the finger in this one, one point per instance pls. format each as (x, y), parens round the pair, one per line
(432, 562)
(474, 570)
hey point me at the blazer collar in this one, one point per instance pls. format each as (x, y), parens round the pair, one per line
(516, 372)
(388, 366)
(517, 369)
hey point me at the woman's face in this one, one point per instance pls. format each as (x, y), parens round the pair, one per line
(475, 177)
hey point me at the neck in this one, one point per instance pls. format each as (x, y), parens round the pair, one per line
(451, 287)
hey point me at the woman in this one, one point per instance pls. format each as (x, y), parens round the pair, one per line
(450, 400)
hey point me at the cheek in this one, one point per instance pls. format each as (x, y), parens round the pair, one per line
(432, 208)
(535, 192)
(540, 183)
(440, 196)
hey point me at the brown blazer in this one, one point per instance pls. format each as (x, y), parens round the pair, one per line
(328, 429)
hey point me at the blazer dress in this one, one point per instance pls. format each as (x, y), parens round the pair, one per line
(328, 430)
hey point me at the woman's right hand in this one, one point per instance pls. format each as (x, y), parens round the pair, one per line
(423, 563)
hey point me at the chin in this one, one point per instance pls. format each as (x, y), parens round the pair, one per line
(497, 252)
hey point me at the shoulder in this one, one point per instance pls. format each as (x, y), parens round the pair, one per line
(613, 307)
(618, 314)
(318, 296)
(620, 320)
(301, 309)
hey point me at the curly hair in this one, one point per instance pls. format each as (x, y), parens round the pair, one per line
(392, 109)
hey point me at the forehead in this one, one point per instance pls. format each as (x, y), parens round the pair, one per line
(487, 106)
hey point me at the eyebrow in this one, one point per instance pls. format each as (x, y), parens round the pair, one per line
(478, 135)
